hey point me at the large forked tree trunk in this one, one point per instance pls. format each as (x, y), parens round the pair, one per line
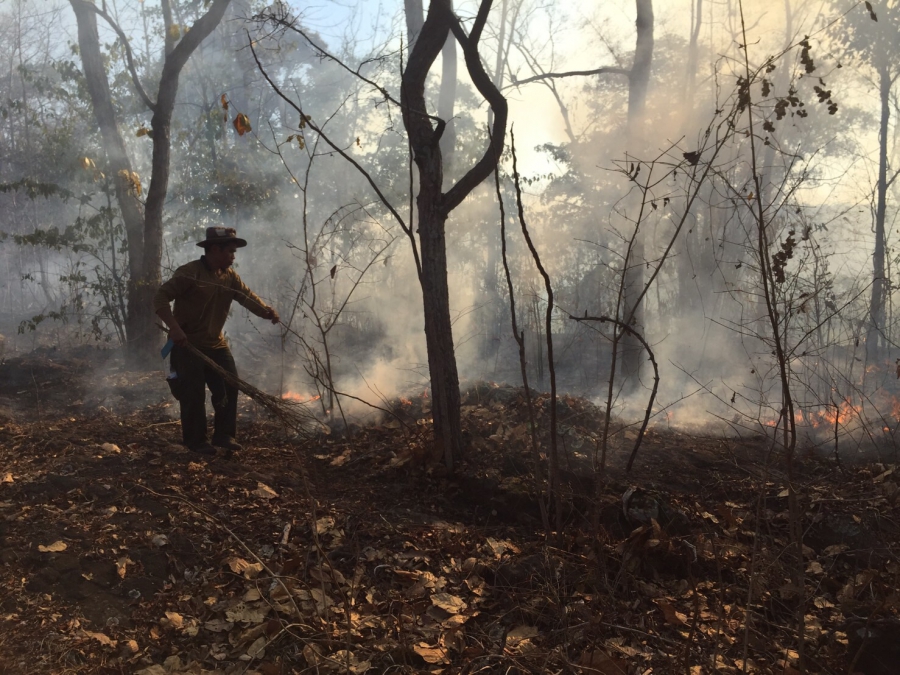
(434, 205)
(177, 56)
(415, 18)
(875, 335)
(144, 230)
(638, 80)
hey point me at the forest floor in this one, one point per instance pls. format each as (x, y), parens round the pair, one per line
(121, 552)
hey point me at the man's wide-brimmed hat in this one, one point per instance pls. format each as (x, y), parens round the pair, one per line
(222, 235)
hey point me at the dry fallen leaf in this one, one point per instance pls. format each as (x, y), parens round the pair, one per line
(313, 656)
(324, 525)
(242, 613)
(519, 638)
(342, 458)
(247, 569)
(99, 637)
(175, 619)
(500, 546)
(111, 447)
(431, 654)
(672, 617)
(55, 547)
(7, 478)
(815, 568)
(218, 626)
(130, 647)
(257, 650)
(449, 603)
(121, 565)
(264, 491)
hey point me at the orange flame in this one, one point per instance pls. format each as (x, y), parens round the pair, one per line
(405, 401)
(826, 416)
(840, 415)
(300, 398)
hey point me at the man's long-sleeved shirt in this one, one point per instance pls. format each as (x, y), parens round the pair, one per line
(202, 301)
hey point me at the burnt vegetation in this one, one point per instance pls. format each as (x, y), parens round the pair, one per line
(584, 359)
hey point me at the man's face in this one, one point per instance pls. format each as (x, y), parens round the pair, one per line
(220, 256)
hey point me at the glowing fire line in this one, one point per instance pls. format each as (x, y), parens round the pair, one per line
(299, 398)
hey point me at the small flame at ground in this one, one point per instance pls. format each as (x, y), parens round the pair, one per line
(300, 398)
(827, 416)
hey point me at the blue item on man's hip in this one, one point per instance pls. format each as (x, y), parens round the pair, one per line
(166, 349)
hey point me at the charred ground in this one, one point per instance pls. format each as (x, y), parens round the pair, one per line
(122, 552)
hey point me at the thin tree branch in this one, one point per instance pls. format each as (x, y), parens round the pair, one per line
(332, 145)
(519, 337)
(129, 56)
(628, 329)
(554, 487)
(482, 81)
(607, 70)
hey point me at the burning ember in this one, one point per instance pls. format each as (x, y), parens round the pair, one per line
(300, 398)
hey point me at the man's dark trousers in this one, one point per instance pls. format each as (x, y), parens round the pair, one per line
(193, 378)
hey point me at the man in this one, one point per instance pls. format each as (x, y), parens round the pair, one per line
(203, 291)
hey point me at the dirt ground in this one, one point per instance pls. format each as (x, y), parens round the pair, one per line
(121, 552)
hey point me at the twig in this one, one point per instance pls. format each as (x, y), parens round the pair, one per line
(519, 337)
(628, 329)
(554, 486)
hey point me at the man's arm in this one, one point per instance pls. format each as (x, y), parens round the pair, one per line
(272, 315)
(251, 301)
(176, 334)
(175, 287)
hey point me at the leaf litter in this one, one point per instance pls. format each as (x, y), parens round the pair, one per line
(162, 563)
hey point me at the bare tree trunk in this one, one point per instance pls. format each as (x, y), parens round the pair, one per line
(693, 50)
(638, 81)
(434, 205)
(875, 336)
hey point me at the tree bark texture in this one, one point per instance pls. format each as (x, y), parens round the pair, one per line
(638, 81)
(434, 205)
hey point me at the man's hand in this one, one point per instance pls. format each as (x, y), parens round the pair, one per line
(175, 333)
(272, 316)
(177, 336)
